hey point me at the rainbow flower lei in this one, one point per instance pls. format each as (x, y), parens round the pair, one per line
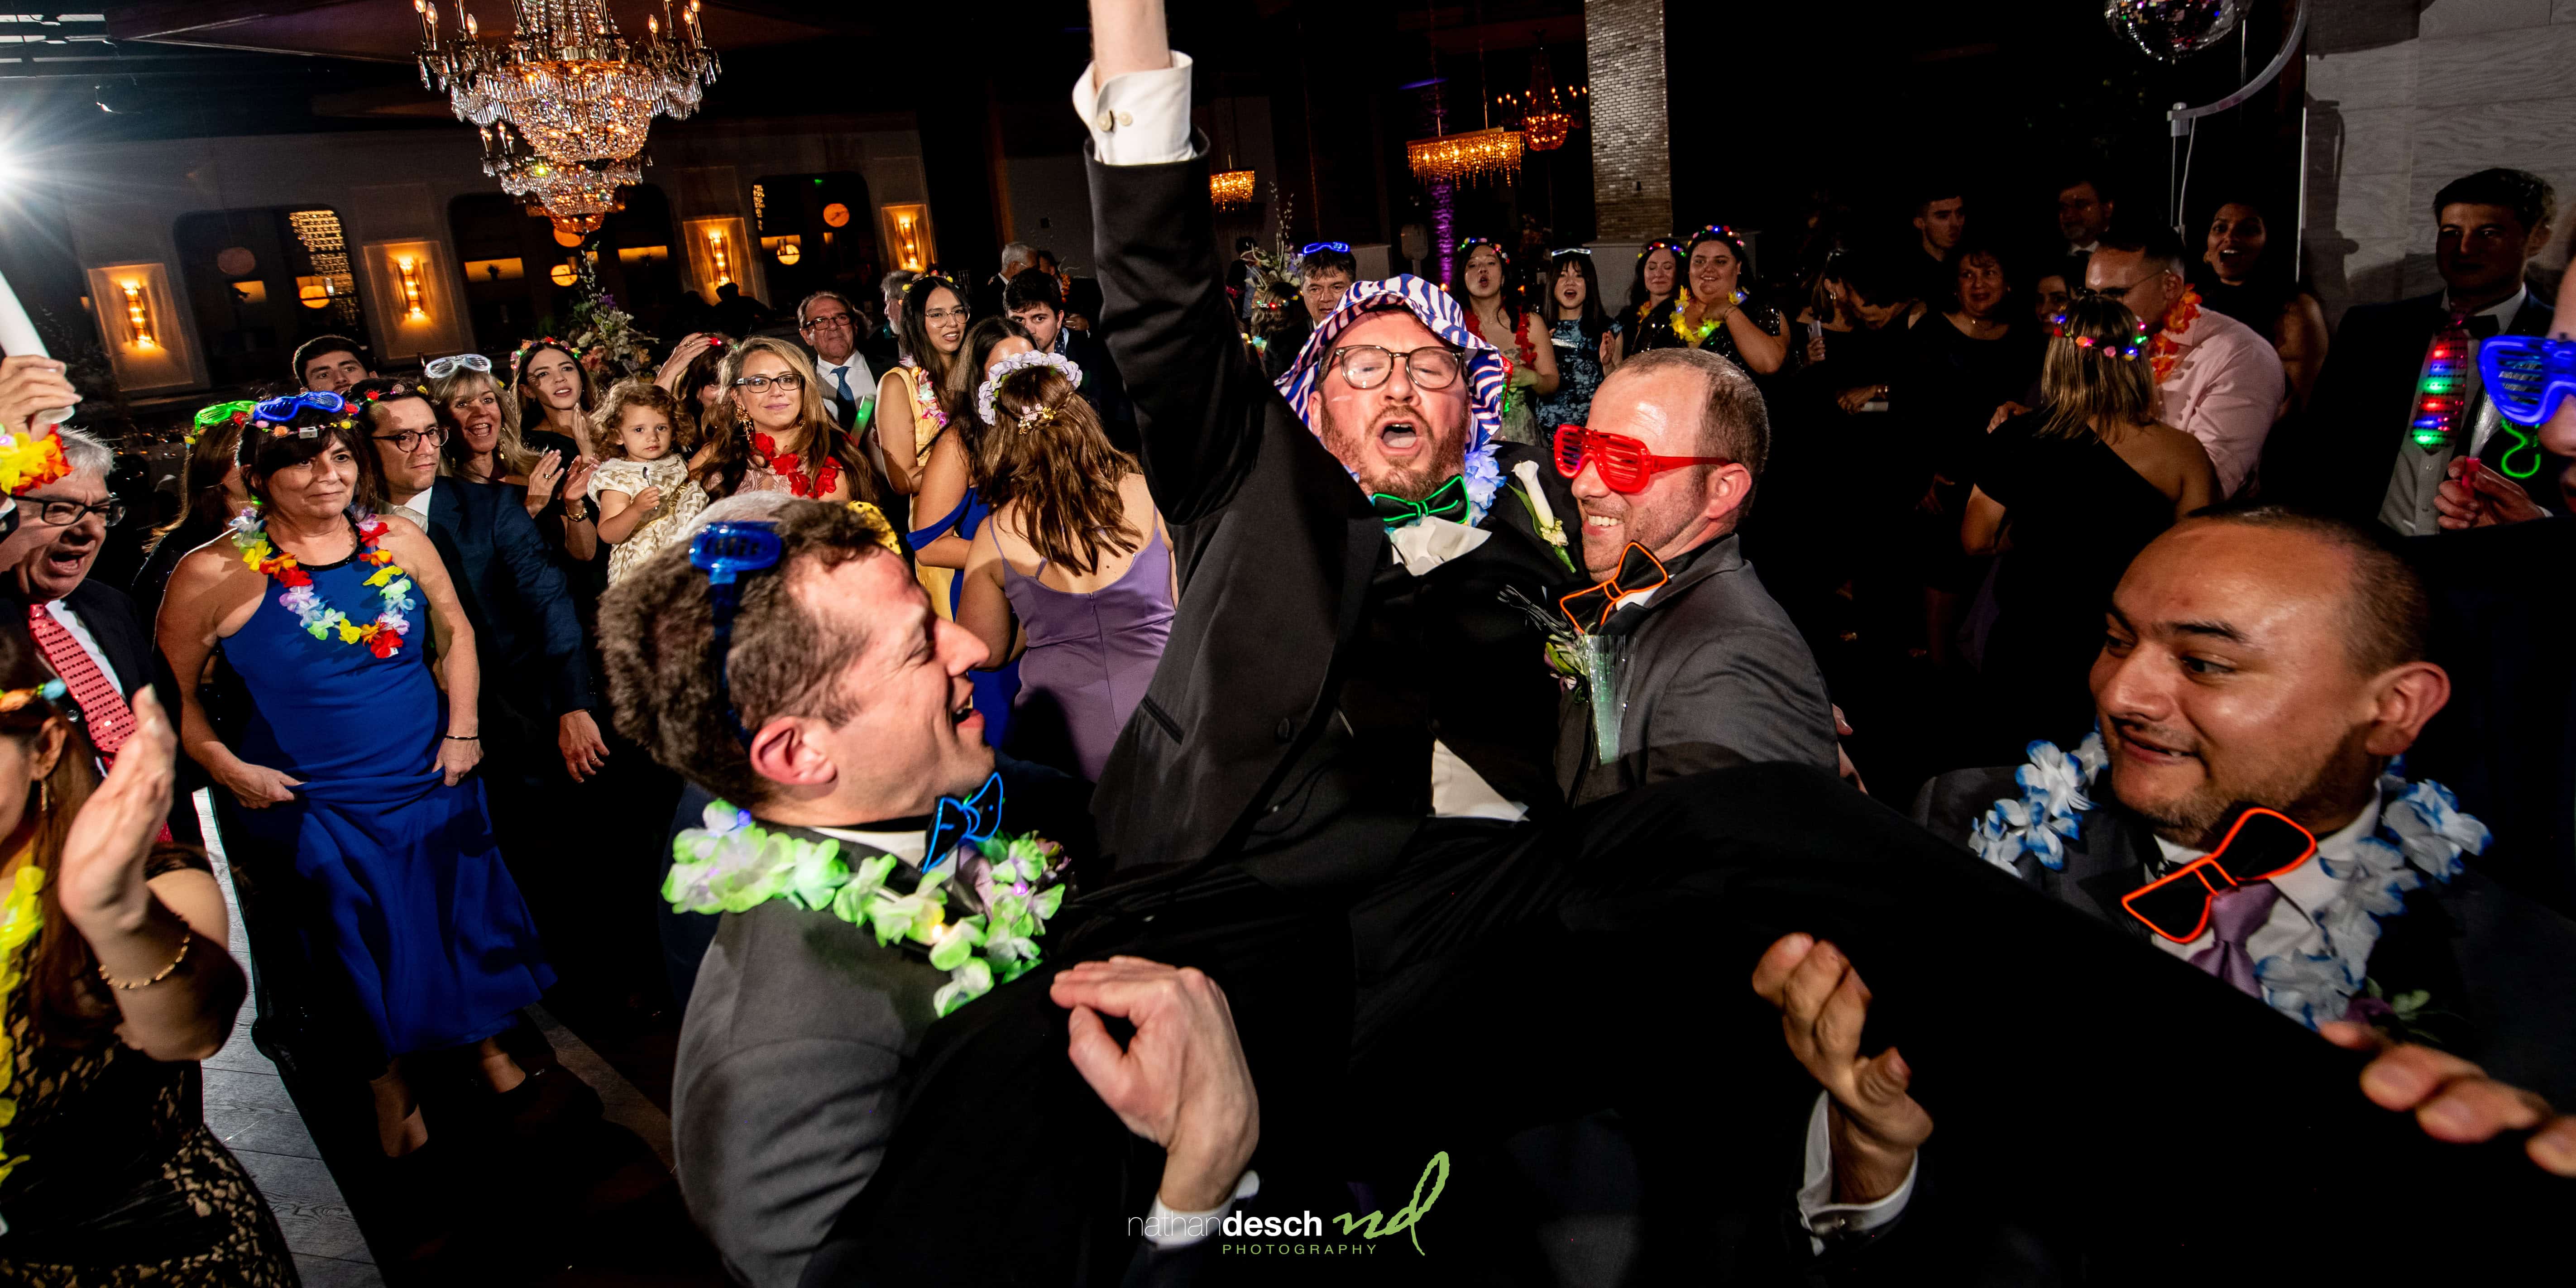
(383, 636)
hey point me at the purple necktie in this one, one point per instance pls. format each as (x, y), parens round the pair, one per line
(2235, 915)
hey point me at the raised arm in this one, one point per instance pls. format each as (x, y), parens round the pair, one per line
(1199, 397)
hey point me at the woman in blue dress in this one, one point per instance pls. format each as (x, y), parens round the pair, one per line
(352, 760)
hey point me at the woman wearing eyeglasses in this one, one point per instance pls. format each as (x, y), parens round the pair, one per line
(355, 762)
(1479, 284)
(1712, 309)
(910, 410)
(776, 432)
(2068, 496)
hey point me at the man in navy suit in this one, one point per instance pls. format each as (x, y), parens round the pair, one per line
(2355, 455)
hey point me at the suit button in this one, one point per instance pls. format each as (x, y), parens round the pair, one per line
(1287, 728)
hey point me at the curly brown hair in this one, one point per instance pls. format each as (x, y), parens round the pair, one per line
(657, 635)
(639, 391)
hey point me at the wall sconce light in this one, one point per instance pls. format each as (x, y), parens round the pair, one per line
(907, 237)
(138, 314)
(788, 254)
(716, 251)
(313, 292)
(410, 268)
(562, 275)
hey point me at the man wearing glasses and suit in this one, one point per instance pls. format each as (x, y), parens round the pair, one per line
(832, 328)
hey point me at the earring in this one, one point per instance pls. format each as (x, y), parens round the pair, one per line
(44, 796)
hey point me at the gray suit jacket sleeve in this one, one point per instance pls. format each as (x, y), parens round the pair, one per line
(1753, 694)
(777, 1140)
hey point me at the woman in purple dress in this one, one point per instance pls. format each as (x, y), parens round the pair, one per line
(1076, 555)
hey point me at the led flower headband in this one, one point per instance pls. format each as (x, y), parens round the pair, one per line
(1014, 364)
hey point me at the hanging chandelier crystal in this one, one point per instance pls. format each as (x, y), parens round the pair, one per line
(565, 80)
(1231, 190)
(1544, 118)
(577, 198)
(1473, 157)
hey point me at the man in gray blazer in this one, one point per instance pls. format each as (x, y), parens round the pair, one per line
(1709, 672)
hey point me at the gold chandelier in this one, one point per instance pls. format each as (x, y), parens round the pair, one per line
(1470, 158)
(1231, 190)
(565, 80)
(1544, 118)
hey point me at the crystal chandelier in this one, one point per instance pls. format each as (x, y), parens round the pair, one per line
(565, 80)
(1466, 158)
(1544, 117)
(1231, 190)
(577, 198)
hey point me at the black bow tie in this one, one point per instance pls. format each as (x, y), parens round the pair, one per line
(1590, 608)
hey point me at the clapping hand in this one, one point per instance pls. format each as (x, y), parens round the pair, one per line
(543, 479)
(101, 880)
(2455, 1100)
(1876, 1125)
(30, 386)
(1180, 1081)
(576, 481)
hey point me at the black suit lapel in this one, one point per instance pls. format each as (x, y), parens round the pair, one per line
(2107, 860)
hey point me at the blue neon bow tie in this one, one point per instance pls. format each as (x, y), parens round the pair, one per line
(956, 822)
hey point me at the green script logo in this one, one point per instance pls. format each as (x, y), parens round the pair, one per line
(1434, 1174)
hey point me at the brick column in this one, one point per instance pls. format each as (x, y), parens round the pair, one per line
(1631, 132)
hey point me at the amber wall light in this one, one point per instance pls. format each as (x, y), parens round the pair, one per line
(410, 270)
(138, 314)
(716, 251)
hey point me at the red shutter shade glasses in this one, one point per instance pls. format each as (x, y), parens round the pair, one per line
(1624, 462)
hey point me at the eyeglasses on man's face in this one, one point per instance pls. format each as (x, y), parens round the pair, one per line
(828, 322)
(63, 514)
(404, 440)
(1366, 366)
(787, 380)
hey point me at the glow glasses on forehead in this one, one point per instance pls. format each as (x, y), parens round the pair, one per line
(1624, 462)
(442, 368)
(1311, 247)
(282, 409)
(725, 551)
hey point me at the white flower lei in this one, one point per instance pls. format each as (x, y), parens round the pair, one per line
(2421, 833)
(1018, 362)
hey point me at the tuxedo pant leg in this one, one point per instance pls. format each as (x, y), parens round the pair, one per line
(1007, 1169)
(2099, 1077)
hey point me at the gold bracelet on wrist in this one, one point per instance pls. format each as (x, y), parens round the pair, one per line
(186, 937)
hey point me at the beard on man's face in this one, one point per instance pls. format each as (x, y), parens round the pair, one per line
(2309, 793)
(1413, 481)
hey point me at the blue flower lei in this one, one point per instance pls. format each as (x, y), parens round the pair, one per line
(1017, 883)
(2422, 832)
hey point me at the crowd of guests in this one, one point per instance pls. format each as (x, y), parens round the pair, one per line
(1346, 778)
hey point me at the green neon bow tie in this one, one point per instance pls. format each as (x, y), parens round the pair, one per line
(1448, 501)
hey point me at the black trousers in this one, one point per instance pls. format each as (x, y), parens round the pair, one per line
(2140, 1111)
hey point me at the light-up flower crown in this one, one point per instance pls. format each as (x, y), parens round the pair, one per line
(1018, 362)
(2107, 346)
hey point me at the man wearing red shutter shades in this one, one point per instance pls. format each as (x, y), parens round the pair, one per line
(1707, 669)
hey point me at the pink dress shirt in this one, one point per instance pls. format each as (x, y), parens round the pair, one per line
(2224, 390)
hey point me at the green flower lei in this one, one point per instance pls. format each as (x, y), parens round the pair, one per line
(734, 865)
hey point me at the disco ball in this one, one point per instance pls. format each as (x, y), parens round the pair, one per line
(2169, 29)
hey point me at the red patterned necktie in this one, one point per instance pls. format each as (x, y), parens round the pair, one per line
(111, 722)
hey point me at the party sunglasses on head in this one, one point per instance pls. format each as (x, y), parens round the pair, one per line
(284, 408)
(2527, 375)
(725, 551)
(442, 368)
(1624, 462)
(1311, 247)
(2262, 844)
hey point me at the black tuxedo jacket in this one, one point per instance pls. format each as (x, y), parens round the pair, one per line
(2337, 458)
(120, 630)
(526, 631)
(2506, 742)
(1281, 558)
(1103, 388)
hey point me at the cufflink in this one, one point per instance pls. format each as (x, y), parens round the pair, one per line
(1125, 119)
(1106, 121)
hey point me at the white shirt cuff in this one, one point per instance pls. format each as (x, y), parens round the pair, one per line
(1170, 1229)
(1816, 1208)
(1140, 118)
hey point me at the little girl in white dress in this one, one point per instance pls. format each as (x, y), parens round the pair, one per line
(642, 485)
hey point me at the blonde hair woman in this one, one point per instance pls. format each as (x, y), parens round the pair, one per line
(2069, 495)
(774, 431)
(485, 444)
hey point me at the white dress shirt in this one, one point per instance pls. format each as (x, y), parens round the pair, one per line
(417, 508)
(863, 383)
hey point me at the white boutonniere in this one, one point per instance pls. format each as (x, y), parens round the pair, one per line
(1548, 524)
